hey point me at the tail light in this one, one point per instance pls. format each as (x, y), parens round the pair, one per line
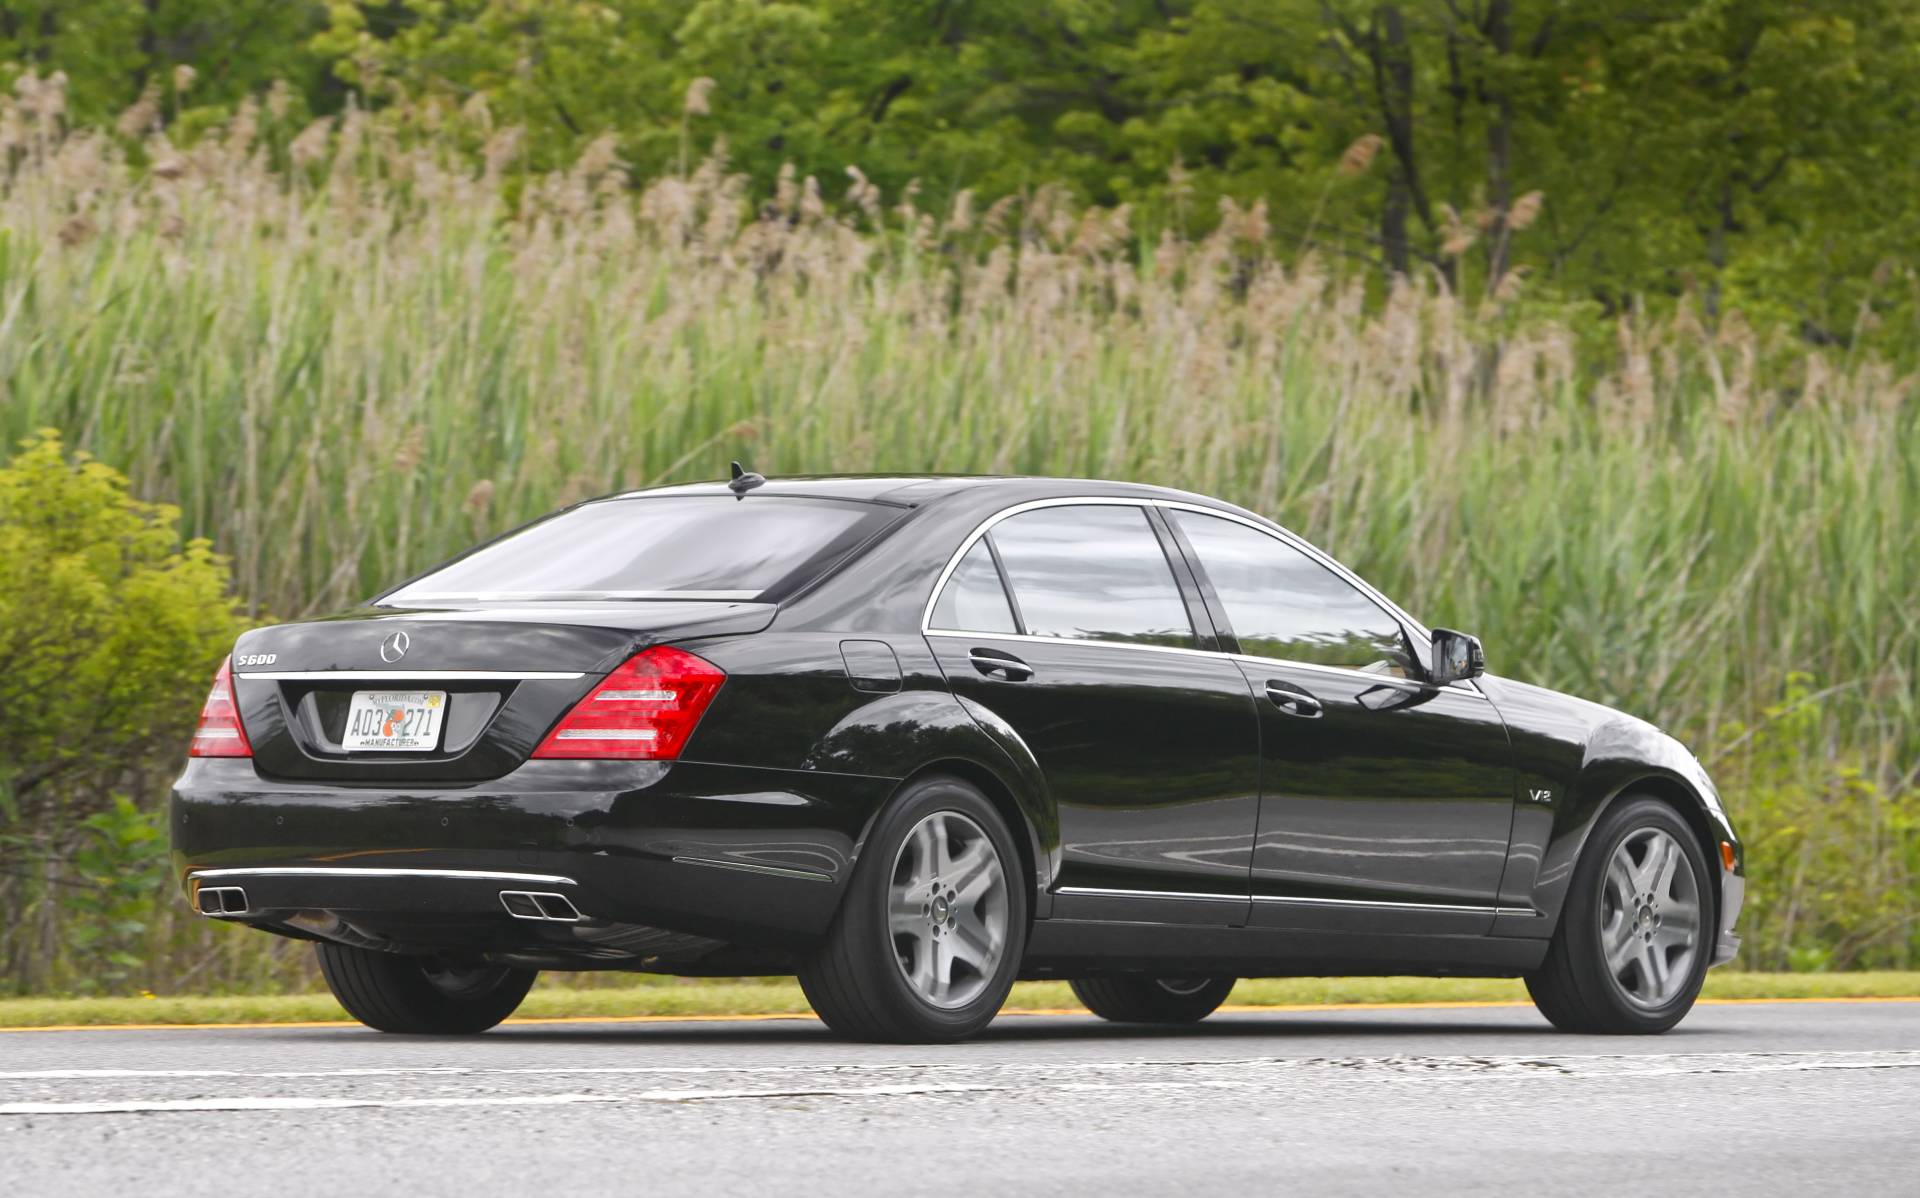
(644, 710)
(220, 733)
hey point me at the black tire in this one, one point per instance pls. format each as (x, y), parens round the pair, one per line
(419, 996)
(1132, 999)
(1574, 987)
(856, 980)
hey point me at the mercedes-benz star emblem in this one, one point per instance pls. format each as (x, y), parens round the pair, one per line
(395, 646)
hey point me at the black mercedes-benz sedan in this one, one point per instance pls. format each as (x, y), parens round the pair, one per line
(915, 738)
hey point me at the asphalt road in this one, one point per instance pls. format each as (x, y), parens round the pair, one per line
(1742, 1098)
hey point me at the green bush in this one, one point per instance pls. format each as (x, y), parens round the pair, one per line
(110, 628)
(1832, 857)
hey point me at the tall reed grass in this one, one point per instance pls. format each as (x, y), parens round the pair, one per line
(347, 355)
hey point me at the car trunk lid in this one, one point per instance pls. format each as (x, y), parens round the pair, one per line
(480, 684)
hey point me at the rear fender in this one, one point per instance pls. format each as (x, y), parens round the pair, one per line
(914, 733)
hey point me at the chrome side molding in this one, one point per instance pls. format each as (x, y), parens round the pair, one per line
(347, 871)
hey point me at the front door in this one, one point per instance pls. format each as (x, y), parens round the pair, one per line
(1070, 624)
(1386, 804)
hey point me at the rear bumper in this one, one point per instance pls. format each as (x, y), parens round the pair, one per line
(251, 892)
(708, 854)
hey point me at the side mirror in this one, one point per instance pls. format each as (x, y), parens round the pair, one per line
(1455, 656)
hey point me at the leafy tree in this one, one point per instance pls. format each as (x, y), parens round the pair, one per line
(1748, 153)
(565, 70)
(106, 622)
(113, 51)
(1773, 141)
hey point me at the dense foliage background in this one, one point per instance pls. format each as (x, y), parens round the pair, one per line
(1752, 154)
(1587, 327)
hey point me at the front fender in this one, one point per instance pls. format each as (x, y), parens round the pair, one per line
(1573, 760)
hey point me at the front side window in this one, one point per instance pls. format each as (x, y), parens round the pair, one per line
(1283, 604)
(1092, 572)
(655, 547)
(973, 599)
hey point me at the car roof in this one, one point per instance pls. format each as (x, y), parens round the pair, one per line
(881, 488)
(914, 490)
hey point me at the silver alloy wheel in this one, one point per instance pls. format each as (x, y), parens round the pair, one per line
(947, 909)
(1650, 918)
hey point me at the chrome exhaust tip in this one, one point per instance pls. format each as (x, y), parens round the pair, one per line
(220, 901)
(540, 904)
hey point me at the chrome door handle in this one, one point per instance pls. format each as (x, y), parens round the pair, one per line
(1293, 701)
(1006, 666)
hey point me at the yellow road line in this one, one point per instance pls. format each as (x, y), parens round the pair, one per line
(316, 1023)
(1231, 1009)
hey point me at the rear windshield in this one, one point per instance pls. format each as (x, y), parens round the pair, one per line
(667, 547)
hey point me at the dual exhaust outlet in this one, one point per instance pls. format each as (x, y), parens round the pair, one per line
(540, 904)
(223, 901)
(226, 902)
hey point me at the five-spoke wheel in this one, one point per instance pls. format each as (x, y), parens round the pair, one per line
(947, 909)
(1636, 932)
(929, 936)
(1650, 917)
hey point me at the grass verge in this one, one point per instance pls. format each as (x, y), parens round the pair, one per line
(557, 998)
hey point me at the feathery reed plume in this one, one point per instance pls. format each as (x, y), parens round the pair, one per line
(1525, 210)
(1460, 234)
(697, 93)
(1358, 157)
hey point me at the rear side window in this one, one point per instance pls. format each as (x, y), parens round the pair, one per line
(1284, 605)
(1092, 572)
(973, 599)
(664, 547)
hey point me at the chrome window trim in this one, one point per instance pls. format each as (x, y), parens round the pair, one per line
(1462, 688)
(1295, 541)
(572, 597)
(1273, 530)
(1410, 684)
(1068, 640)
(348, 871)
(985, 526)
(1408, 624)
(1394, 680)
(1013, 600)
(407, 675)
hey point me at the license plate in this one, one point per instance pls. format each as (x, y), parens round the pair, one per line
(394, 721)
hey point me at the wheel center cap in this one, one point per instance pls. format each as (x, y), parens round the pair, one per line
(940, 909)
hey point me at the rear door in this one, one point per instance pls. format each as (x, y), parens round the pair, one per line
(1072, 624)
(1385, 803)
